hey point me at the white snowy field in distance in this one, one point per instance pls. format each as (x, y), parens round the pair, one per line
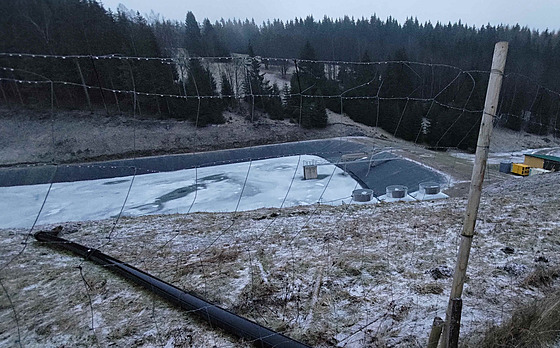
(513, 156)
(224, 188)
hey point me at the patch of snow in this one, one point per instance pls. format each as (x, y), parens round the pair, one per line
(510, 156)
(427, 197)
(385, 198)
(231, 187)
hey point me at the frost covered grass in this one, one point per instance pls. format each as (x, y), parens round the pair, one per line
(349, 276)
(535, 325)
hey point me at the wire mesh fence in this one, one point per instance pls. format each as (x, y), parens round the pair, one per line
(242, 228)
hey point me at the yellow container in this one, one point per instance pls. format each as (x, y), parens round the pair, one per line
(520, 169)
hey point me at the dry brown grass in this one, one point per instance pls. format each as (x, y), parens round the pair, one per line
(376, 287)
(536, 325)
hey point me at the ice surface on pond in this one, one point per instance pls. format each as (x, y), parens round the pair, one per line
(231, 187)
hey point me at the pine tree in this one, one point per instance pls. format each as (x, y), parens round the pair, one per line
(258, 91)
(318, 117)
(212, 44)
(274, 105)
(193, 38)
(312, 70)
(227, 92)
(360, 81)
(309, 78)
(200, 83)
(399, 116)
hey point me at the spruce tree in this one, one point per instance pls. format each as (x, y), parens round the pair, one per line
(258, 91)
(200, 83)
(307, 82)
(399, 116)
(211, 43)
(274, 105)
(193, 38)
(227, 92)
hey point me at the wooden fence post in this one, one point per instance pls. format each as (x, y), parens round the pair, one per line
(455, 322)
(482, 149)
(83, 84)
(435, 333)
(99, 84)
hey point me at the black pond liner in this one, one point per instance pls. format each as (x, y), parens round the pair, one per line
(377, 177)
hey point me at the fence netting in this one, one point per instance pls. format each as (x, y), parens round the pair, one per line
(179, 167)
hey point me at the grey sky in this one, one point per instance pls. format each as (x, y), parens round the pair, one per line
(536, 14)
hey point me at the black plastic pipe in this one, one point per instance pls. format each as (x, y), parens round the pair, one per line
(259, 335)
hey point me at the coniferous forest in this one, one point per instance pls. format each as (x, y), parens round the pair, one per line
(317, 61)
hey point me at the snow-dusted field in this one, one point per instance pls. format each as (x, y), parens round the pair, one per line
(233, 187)
(510, 156)
(346, 276)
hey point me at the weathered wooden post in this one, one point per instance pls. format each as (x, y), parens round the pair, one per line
(435, 333)
(83, 84)
(99, 83)
(455, 322)
(482, 148)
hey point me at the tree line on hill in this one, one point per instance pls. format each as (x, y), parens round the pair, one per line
(430, 103)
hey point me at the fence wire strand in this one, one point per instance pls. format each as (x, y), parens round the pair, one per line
(289, 265)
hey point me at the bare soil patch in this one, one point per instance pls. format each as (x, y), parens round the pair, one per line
(31, 136)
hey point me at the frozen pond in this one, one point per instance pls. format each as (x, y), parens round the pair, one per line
(276, 182)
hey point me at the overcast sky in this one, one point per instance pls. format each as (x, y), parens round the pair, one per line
(536, 14)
